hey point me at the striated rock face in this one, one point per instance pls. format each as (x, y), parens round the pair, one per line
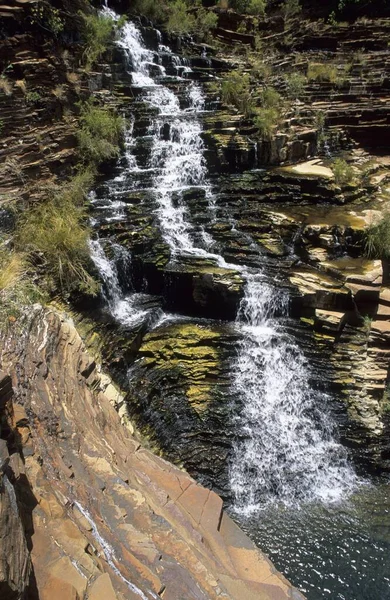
(15, 563)
(181, 396)
(109, 519)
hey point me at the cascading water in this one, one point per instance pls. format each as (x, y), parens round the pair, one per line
(288, 450)
(124, 308)
(286, 454)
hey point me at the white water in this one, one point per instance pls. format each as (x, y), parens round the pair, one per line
(122, 307)
(287, 449)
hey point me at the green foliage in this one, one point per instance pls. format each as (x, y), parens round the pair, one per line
(343, 172)
(75, 190)
(319, 120)
(259, 70)
(33, 97)
(266, 122)
(270, 98)
(1, 125)
(155, 10)
(367, 321)
(180, 21)
(377, 239)
(46, 16)
(256, 7)
(296, 84)
(205, 21)
(249, 7)
(322, 72)
(290, 9)
(98, 32)
(236, 91)
(386, 400)
(100, 134)
(177, 16)
(332, 20)
(55, 238)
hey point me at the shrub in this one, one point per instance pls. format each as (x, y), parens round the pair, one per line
(377, 239)
(256, 7)
(270, 98)
(290, 9)
(205, 21)
(266, 122)
(180, 20)
(322, 72)
(100, 134)
(260, 70)
(236, 91)
(33, 97)
(296, 84)
(75, 190)
(250, 7)
(343, 172)
(155, 10)
(46, 16)
(98, 32)
(55, 237)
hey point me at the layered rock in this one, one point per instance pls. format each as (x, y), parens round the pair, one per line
(15, 563)
(109, 518)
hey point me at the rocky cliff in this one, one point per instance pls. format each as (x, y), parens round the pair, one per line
(86, 511)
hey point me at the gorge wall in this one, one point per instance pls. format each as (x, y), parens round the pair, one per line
(104, 518)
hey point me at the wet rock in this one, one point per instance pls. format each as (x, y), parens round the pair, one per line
(179, 396)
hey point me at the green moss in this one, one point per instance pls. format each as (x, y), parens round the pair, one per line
(190, 351)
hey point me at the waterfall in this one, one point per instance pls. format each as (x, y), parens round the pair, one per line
(286, 448)
(123, 307)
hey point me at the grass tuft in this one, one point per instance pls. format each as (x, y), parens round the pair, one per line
(100, 134)
(377, 239)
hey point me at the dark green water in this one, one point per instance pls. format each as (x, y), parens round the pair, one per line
(339, 552)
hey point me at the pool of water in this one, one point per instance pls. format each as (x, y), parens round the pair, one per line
(340, 552)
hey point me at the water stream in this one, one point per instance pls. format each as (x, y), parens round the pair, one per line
(288, 470)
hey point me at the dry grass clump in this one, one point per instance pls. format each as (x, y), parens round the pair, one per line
(322, 72)
(55, 237)
(21, 84)
(377, 239)
(5, 85)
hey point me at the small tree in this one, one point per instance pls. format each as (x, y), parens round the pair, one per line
(99, 31)
(343, 172)
(296, 84)
(180, 20)
(236, 90)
